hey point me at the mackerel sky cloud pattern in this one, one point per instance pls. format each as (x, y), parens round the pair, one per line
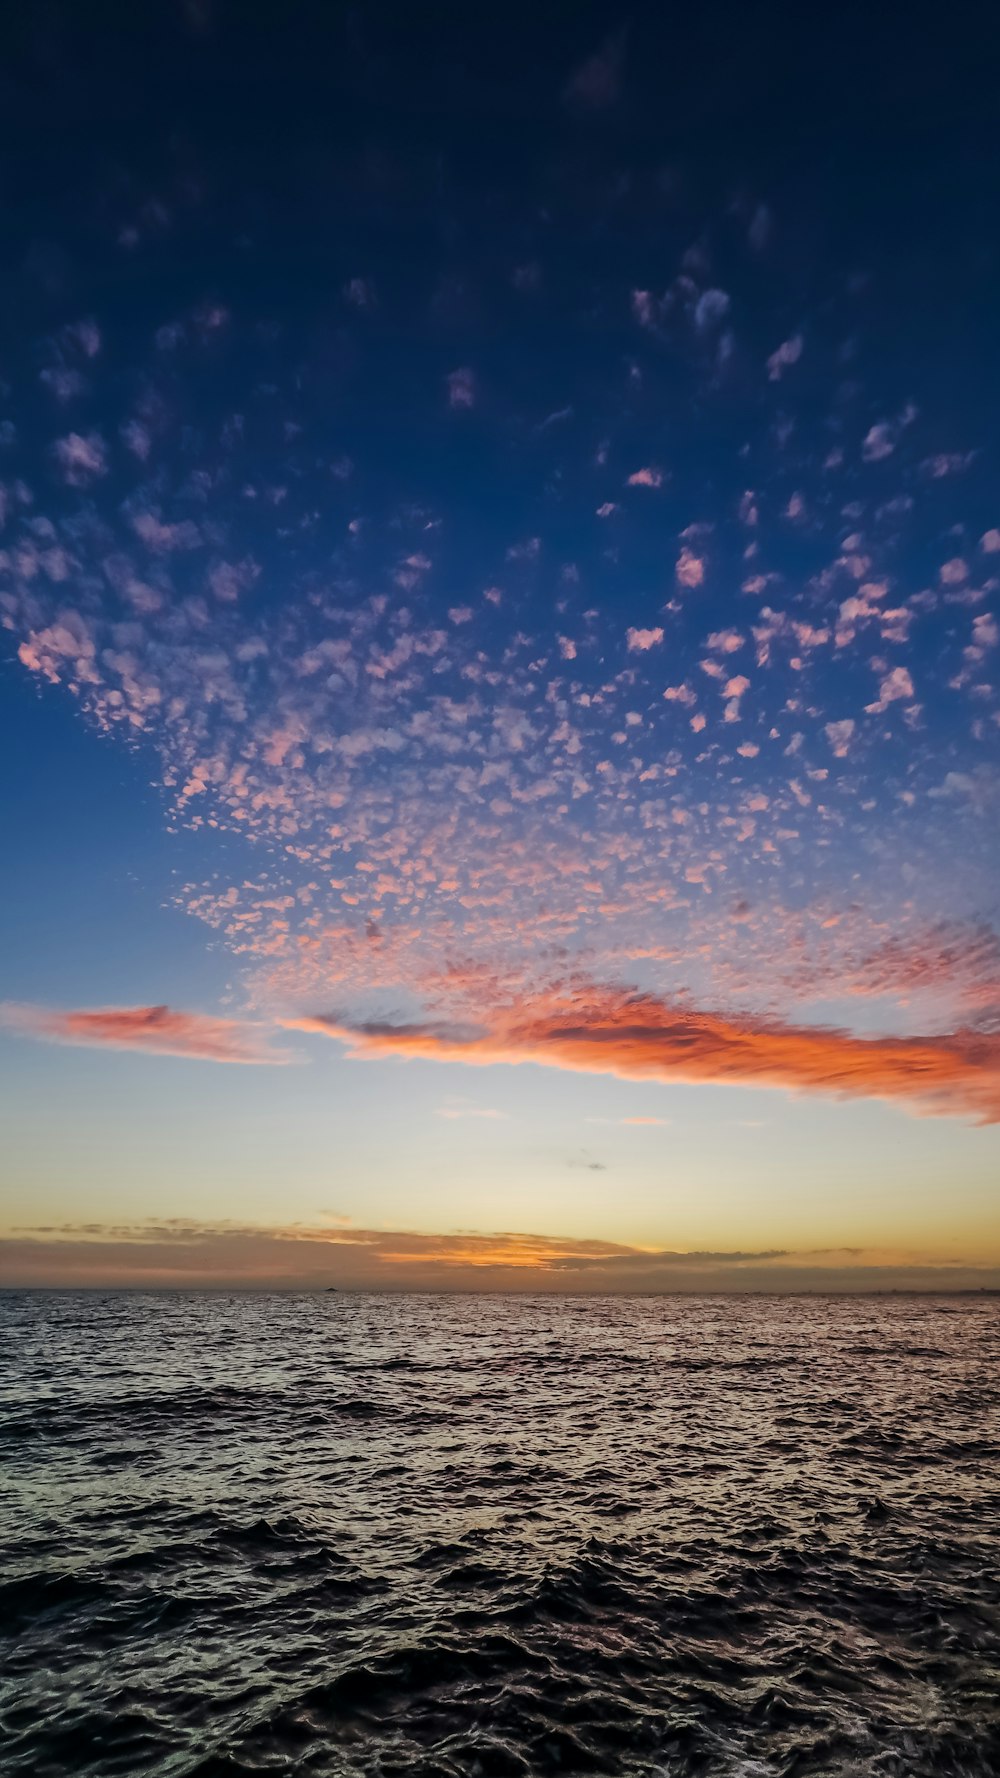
(527, 616)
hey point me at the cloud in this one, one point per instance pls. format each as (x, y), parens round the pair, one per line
(84, 335)
(462, 388)
(372, 783)
(637, 1036)
(456, 1112)
(181, 1251)
(160, 539)
(596, 83)
(359, 293)
(627, 1122)
(895, 685)
(881, 439)
(62, 382)
(81, 459)
(787, 354)
(733, 690)
(956, 960)
(229, 579)
(947, 463)
(879, 442)
(954, 571)
(644, 306)
(690, 569)
(641, 640)
(839, 736)
(157, 1029)
(710, 309)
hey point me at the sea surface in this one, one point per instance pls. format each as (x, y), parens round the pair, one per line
(486, 1535)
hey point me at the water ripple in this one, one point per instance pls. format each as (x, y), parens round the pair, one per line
(451, 1535)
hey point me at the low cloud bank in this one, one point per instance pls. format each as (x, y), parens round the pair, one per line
(184, 1253)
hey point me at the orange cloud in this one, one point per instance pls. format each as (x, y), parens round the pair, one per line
(637, 1036)
(158, 1029)
(178, 1251)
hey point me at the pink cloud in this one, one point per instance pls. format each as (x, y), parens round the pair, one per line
(953, 572)
(690, 569)
(895, 685)
(82, 459)
(641, 640)
(643, 307)
(879, 442)
(839, 736)
(733, 691)
(953, 960)
(162, 539)
(229, 579)
(157, 1029)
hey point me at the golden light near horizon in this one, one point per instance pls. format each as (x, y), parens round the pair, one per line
(500, 948)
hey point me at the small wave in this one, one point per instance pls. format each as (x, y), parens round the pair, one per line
(455, 1537)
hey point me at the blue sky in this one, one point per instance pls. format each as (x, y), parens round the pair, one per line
(500, 641)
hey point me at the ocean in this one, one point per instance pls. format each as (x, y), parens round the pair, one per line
(451, 1534)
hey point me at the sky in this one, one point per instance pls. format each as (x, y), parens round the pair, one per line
(500, 649)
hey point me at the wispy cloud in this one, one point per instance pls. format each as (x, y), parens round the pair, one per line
(456, 1112)
(631, 1122)
(158, 1030)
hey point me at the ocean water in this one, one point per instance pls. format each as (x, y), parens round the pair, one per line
(489, 1535)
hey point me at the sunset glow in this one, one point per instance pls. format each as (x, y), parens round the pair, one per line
(501, 659)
